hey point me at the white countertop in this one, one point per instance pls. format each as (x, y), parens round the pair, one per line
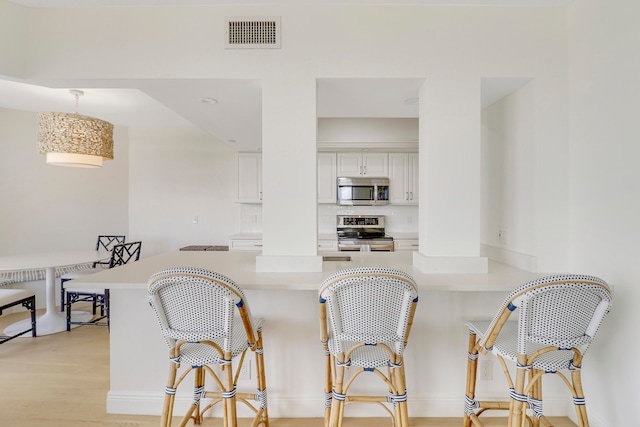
(240, 267)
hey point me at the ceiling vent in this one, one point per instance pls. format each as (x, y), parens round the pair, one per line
(252, 33)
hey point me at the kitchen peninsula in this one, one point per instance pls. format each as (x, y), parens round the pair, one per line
(435, 357)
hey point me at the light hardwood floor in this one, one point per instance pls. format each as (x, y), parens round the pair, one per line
(61, 380)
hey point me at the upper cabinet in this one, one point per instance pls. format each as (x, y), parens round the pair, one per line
(327, 178)
(403, 178)
(363, 164)
(249, 177)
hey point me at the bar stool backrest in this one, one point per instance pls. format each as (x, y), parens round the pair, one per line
(563, 311)
(194, 304)
(370, 305)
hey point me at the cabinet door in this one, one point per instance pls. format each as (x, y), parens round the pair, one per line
(242, 245)
(398, 185)
(375, 164)
(405, 245)
(327, 245)
(327, 178)
(349, 164)
(413, 179)
(249, 177)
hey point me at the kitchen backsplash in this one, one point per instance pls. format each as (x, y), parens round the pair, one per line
(399, 219)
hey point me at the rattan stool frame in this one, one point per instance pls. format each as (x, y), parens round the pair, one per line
(558, 318)
(196, 310)
(366, 316)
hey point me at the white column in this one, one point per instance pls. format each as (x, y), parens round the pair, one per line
(289, 207)
(450, 175)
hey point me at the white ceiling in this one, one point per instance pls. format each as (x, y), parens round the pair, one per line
(236, 118)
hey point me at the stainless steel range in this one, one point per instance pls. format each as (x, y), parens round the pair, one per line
(363, 233)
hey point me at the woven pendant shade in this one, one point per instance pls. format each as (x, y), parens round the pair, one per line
(74, 140)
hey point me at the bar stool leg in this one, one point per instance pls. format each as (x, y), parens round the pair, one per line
(516, 407)
(337, 404)
(536, 393)
(262, 382)
(169, 396)
(328, 386)
(401, 388)
(581, 407)
(472, 372)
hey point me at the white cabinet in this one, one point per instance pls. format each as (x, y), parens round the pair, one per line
(363, 164)
(327, 245)
(245, 245)
(249, 177)
(327, 178)
(405, 245)
(403, 178)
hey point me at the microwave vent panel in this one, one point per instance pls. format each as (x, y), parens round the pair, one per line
(252, 33)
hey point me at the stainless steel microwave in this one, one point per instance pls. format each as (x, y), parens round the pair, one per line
(363, 191)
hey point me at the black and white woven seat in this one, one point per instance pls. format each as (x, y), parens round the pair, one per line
(558, 318)
(205, 319)
(99, 298)
(13, 298)
(365, 318)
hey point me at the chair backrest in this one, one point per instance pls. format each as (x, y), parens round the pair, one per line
(195, 304)
(563, 311)
(106, 243)
(122, 254)
(370, 305)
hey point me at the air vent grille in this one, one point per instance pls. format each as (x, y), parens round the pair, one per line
(252, 33)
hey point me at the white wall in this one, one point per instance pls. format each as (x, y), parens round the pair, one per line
(178, 174)
(596, 176)
(48, 207)
(508, 179)
(605, 207)
(174, 175)
(364, 41)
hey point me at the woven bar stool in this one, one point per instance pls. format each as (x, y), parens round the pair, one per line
(558, 317)
(205, 319)
(365, 319)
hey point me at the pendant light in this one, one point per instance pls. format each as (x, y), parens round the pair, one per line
(74, 140)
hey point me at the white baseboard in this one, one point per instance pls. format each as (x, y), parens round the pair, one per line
(506, 256)
(151, 404)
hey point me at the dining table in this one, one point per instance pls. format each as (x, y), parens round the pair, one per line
(52, 321)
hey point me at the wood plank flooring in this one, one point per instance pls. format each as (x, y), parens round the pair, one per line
(61, 380)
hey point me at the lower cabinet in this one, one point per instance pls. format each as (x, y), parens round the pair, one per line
(405, 244)
(327, 245)
(255, 245)
(245, 245)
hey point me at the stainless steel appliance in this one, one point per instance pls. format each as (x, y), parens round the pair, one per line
(363, 191)
(363, 233)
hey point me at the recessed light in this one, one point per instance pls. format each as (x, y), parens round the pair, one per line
(412, 101)
(209, 100)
